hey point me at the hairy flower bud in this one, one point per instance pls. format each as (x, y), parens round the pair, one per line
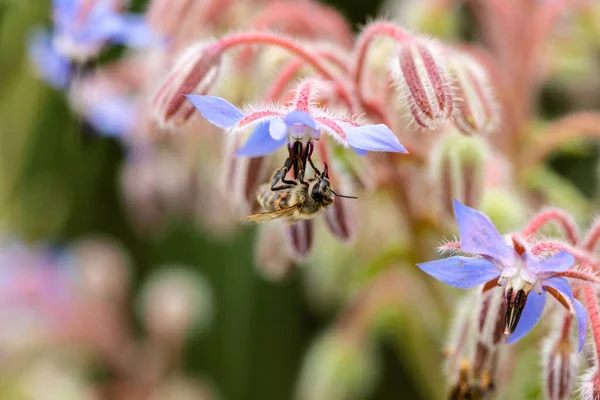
(458, 168)
(423, 83)
(475, 107)
(299, 239)
(490, 323)
(195, 72)
(175, 301)
(337, 367)
(590, 384)
(340, 217)
(560, 362)
(104, 268)
(242, 176)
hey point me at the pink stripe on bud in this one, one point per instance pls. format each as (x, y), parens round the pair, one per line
(423, 83)
(475, 108)
(299, 239)
(196, 72)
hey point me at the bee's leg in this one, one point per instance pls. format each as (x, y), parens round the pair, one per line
(301, 178)
(312, 164)
(280, 176)
(309, 150)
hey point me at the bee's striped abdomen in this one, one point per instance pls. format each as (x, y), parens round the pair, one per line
(272, 201)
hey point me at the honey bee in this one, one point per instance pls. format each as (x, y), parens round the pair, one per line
(293, 200)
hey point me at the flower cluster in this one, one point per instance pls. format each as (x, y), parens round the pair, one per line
(211, 98)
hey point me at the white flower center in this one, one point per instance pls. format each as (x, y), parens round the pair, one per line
(518, 277)
(302, 133)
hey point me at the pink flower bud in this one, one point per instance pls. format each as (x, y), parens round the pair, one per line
(104, 267)
(299, 238)
(242, 176)
(423, 83)
(458, 169)
(175, 301)
(196, 72)
(475, 108)
(340, 217)
(559, 360)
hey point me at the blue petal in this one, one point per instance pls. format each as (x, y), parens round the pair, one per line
(51, 66)
(260, 142)
(534, 308)
(278, 129)
(112, 117)
(133, 31)
(360, 152)
(562, 285)
(582, 317)
(560, 262)
(461, 272)
(300, 117)
(373, 138)
(216, 110)
(478, 235)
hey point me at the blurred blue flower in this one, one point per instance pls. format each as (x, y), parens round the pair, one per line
(81, 29)
(526, 278)
(113, 116)
(276, 126)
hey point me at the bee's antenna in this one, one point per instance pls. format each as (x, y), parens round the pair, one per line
(325, 173)
(346, 197)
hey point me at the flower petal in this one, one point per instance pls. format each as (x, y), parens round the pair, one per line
(374, 138)
(216, 110)
(560, 262)
(132, 30)
(562, 285)
(534, 308)
(278, 129)
(113, 116)
(260, 142)
(51, 66)
(461, 272)
(300, 117)
(360, 152)
(478, 235)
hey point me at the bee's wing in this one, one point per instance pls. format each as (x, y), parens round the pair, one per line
(271, 215)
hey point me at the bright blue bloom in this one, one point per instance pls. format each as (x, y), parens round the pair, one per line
(526, 278)
(80, 37)
(277, 126)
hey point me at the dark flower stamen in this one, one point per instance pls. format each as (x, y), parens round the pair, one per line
(515, 303)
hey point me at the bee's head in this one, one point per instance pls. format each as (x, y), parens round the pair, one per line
(321, 191)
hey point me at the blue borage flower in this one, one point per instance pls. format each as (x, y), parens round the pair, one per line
(526, 278)
(276, 126)
(81, 29)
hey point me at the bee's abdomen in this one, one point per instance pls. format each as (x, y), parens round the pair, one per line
(272, 201)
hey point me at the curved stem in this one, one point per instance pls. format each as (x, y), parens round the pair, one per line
(364, 41)
(592, 309)
(573, 126)
(590, 241)
(254, 38)
(556, 215)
